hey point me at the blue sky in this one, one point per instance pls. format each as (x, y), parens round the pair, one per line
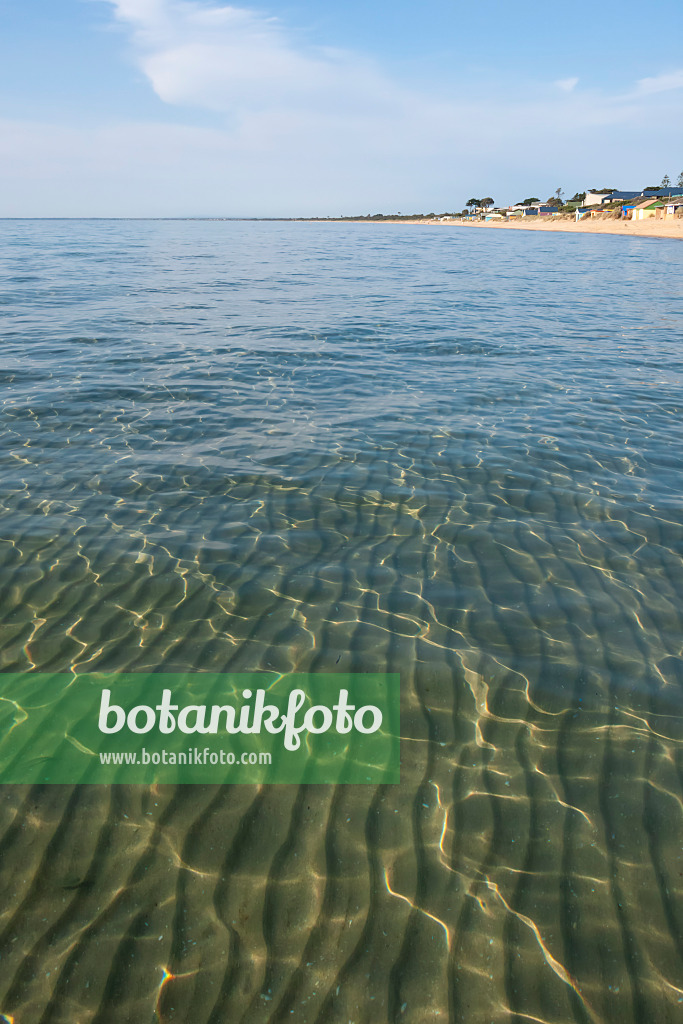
(195, 108)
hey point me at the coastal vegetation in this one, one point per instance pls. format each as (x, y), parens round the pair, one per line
(607, 200)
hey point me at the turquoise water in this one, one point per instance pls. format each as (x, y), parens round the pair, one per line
(448, 453)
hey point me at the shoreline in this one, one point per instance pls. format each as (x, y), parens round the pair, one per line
(670, 228)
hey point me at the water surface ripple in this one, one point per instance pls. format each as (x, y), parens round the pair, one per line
(448, 453)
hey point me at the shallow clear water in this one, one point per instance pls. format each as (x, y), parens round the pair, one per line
(450, 453)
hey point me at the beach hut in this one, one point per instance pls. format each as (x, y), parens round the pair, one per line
(674, 206)
(647, 209)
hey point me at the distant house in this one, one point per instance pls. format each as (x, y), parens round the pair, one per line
(594, 198)
(621, 197)
(599, 198)
(539, 210)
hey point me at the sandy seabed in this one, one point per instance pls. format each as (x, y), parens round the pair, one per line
(279, 452)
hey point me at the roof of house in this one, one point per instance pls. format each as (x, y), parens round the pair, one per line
(649, 203)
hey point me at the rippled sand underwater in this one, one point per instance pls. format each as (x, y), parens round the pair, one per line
(238, 447)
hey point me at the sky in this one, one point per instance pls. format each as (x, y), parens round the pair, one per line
(193, 108)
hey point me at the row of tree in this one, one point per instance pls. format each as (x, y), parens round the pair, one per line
(480, 204)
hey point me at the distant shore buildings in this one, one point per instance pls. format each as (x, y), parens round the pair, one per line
(659, 203)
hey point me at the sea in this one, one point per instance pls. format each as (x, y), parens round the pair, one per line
(447, 453)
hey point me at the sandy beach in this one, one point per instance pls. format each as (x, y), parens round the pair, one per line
(670, 228)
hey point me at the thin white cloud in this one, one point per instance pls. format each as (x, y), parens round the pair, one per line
(660, 83)
(236, 60)
(245, 64)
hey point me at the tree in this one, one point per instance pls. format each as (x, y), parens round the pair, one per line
(528, 202)
(473, 202)
(679, 183)
(666, 181)
(486, 202)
